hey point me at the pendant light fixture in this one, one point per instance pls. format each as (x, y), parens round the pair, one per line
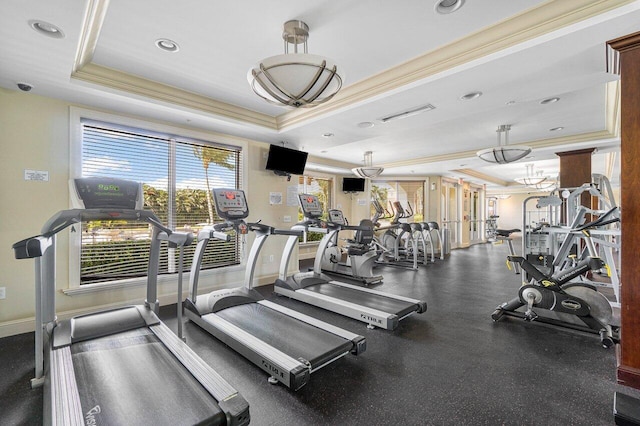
(298, 80)
(368, 171)
(504, 153)
(530, 179)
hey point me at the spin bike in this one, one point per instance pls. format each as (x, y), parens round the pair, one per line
(565, 302)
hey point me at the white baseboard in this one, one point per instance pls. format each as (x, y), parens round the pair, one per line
(27, 325)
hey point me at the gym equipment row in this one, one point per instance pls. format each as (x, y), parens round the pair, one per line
(72, 357)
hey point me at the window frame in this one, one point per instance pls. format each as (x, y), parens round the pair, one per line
(76, 115)
(330, 203)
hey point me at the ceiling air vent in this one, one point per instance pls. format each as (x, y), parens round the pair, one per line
(409, 113)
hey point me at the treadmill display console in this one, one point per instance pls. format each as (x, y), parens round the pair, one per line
(230, 204)
(311, 207)
(336, 216)
(106, 193)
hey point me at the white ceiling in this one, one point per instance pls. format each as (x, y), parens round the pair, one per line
(394, 58)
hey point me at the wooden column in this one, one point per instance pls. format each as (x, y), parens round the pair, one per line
(575, 167)
(628, 351)
(575, 170)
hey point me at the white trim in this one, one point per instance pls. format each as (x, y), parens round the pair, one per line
(76, 114)
(27, 325)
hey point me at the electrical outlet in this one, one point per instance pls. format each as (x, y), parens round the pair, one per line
(286, 219)
(271, 258)
(3, 292)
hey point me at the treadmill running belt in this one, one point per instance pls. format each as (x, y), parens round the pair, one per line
(132, 378)
(289, 335)
(370, 300)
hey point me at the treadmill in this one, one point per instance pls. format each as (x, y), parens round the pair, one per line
(286, 344)
(120, 366)
(376, 308)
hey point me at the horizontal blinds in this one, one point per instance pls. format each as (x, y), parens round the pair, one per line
(177, 175)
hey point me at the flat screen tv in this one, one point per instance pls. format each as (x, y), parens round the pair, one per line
(286, 160)
(352, 184)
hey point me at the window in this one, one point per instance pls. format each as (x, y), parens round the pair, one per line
(177, 175)
(320, 187)
(410, 194)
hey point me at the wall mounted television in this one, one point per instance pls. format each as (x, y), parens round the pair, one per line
(352, 184)
(286, 161)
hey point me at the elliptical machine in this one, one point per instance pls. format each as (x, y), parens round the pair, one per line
(393, 249)
(565, 301)
(361, 254)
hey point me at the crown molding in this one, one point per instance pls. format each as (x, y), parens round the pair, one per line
(543, 19)
(482, 176)
(528, 25)
(121, 81)
(541, 143)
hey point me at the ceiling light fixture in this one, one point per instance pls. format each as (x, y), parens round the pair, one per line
(368, 171)
(556, 129)
(167, 45)
(299, 80)
(530, 179)
(328, 135)
(365, 124)
(469, 96)
(409, 113)
(448, 6)
(46, 28)
(549, 101)
(504, 153)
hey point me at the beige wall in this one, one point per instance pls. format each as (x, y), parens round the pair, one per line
(35, 134)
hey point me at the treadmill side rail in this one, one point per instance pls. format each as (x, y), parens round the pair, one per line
(218, 387)
(373, 317)
(65, 399)
(422, 305)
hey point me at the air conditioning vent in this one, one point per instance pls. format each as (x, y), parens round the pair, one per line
(409, 113)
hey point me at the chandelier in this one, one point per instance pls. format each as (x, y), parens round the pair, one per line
(368, 171)
(530, 179)
(298, 80)
(504, 153)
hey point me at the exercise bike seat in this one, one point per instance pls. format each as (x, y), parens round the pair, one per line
(361, 243)
(506, 233)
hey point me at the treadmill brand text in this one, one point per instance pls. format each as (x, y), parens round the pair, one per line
(103, 187)
(90, 417)
(272, 369)
(371, 319)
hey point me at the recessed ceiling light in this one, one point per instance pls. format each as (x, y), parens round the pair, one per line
(549, 101)
(365, 124)
(556, 129)
(448, 6)
(167, 45)
(324, 151)
(511, 103)
(46, 28)
(328, 135)
(472, 95)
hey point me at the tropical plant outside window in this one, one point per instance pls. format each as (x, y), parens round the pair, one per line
(320, 187)
(410, 194)
(177, 175)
